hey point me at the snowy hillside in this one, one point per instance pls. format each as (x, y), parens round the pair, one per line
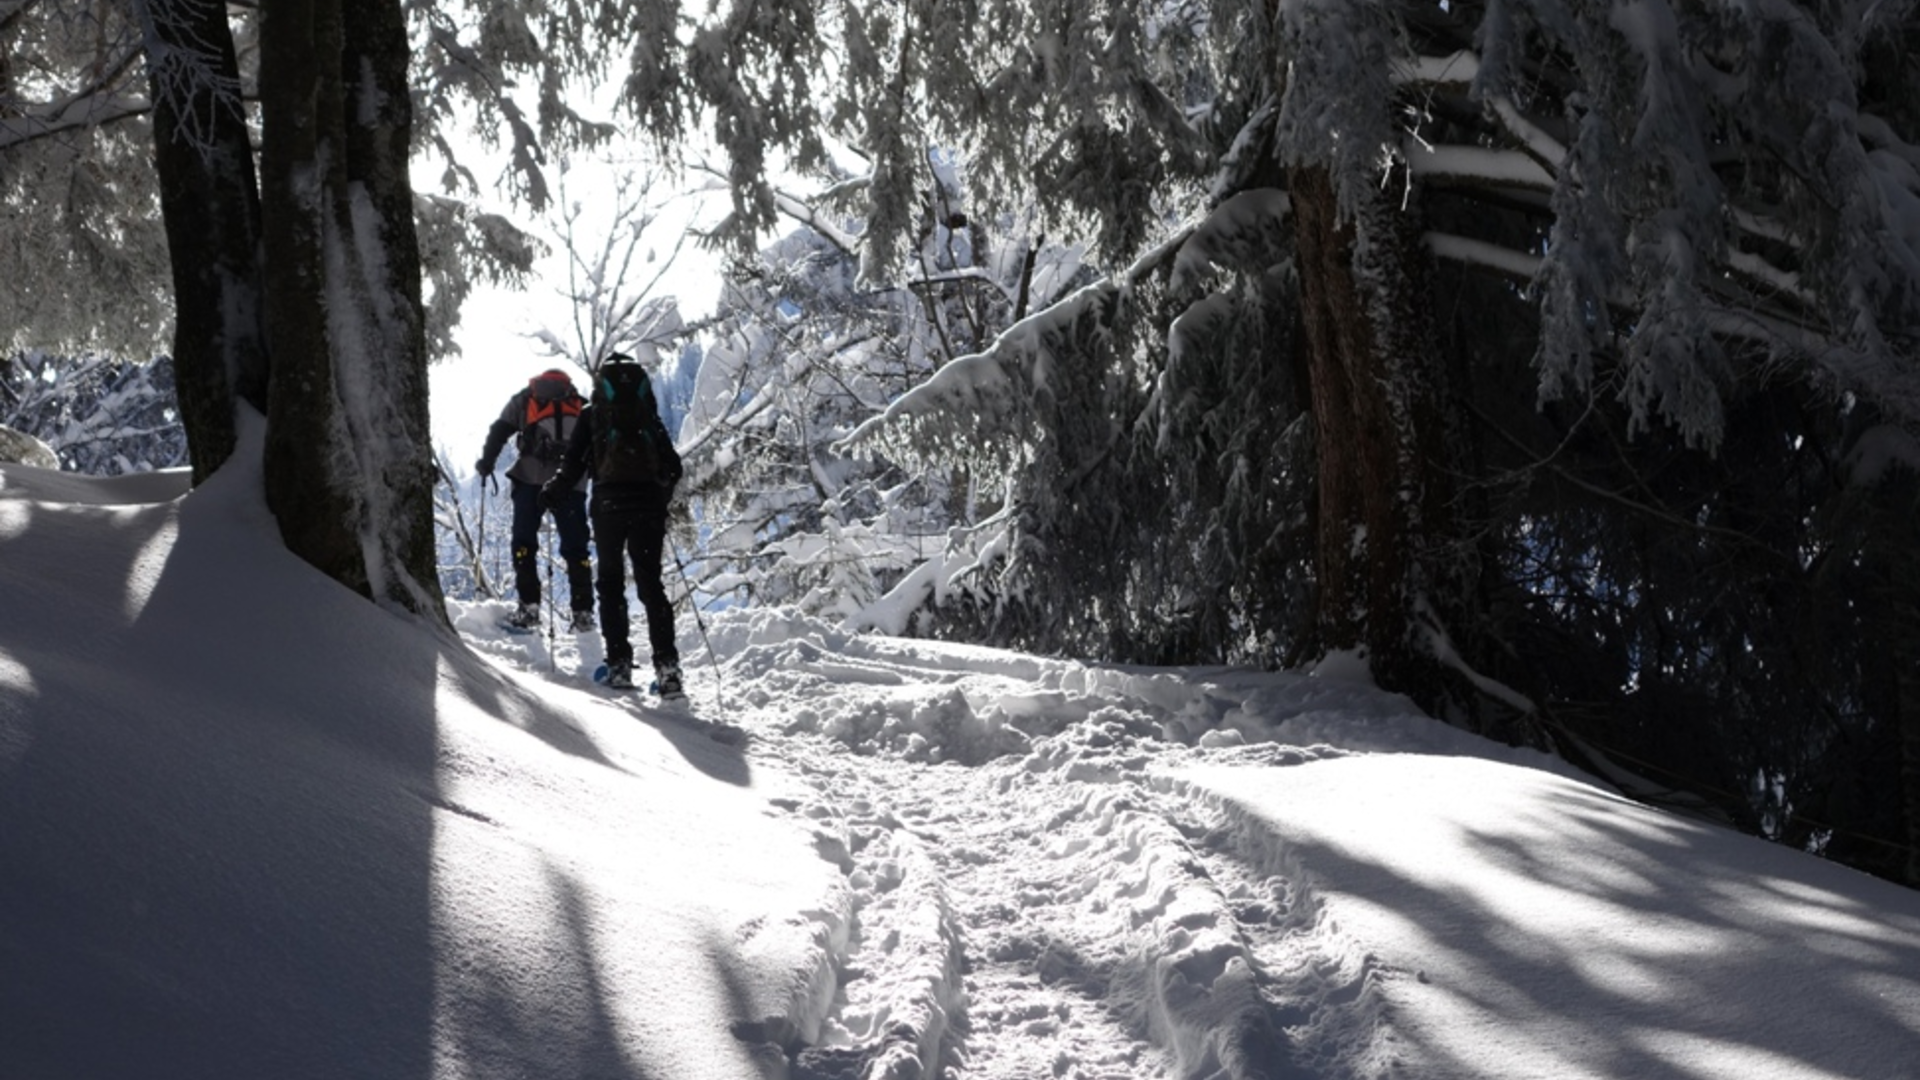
(252, 826)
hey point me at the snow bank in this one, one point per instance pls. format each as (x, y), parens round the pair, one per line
(256, 826)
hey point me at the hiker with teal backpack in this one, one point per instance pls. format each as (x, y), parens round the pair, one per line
(541, 418)
(622, 445)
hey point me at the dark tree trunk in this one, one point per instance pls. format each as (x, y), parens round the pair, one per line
(300, 161)
(379, 145)
(1910, 723)
(1375, 374)
(211, 206)
(349, 472)
(1898, 522)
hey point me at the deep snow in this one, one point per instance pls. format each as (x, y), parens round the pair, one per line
(253, 826)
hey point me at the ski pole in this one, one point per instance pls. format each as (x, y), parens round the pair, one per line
(494, 574)
(481, 586)
(719, 702)
(553, 661)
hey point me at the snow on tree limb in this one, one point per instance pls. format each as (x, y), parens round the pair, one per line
(16, 131)
(1518, 265)
(976, 402)
(1459, 68)
(1475, 165)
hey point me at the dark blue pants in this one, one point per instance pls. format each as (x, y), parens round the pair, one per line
(641, 536)
(570, 521)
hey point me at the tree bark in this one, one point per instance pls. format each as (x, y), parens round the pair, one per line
(395, 440)
(1897, 523)
(1375, 381)
(349, 472)
(300, 161)
(1909, 689)
(209, 201)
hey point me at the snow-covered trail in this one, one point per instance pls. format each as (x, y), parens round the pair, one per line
(1033, 888)
(853, 858)
(1056, 869)
(1032, 891)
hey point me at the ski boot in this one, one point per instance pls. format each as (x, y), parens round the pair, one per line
(524, 618)
(666, 682)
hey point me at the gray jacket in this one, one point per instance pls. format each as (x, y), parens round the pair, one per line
(531, 467)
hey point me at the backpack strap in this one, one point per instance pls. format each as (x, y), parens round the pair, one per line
(552, 408)
(538, 410)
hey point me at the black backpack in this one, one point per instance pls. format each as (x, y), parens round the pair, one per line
(626, 423)
(553, 408)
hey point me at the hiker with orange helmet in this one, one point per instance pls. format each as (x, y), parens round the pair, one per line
(540, 418)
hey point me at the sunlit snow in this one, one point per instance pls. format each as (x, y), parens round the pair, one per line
(254, 826)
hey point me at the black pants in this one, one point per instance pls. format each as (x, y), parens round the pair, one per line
(620, 534)
(570, 520)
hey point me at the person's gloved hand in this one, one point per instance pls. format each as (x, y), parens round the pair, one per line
(549, 496)
(484, 466)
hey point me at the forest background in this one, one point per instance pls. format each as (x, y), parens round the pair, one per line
(1558, 359)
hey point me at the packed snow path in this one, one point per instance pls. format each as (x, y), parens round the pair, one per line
(312, 839)
(1054, 869)
(1030, 891)
(1029, 900)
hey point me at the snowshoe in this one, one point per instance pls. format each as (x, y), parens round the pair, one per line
(582, 621)
(524, 620)
(615, 675)
(666, 683)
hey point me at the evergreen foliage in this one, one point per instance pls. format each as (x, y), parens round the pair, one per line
(799, 356)
(1670, 281)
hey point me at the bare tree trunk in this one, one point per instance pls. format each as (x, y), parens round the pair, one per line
(1375, 373)
(300, 161)
(348, 470)
(394, 434)
(211, 206)
(1898, 521)
(1910, 725)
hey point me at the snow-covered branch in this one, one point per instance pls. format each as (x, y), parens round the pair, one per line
(101, 100)
(73, 117)
(805, 214)
(1541, 146)
(1518, 265)
(978, 391)
(1475, 166)
(614, 274)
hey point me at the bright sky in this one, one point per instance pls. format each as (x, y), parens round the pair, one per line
(497, 357)
(254, 826)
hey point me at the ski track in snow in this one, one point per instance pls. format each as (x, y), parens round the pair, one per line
(1032, 891)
